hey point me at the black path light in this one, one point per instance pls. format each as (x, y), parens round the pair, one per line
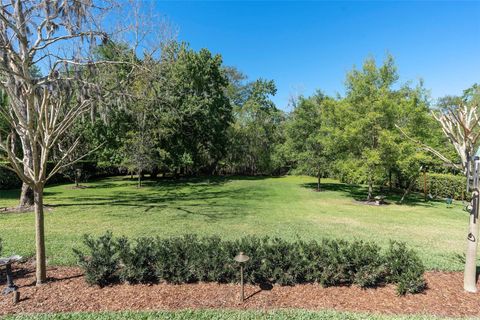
(11, 287)
(241, 258)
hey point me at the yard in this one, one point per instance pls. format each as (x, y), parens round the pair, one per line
(286, 207)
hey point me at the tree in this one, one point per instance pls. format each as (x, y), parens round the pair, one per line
(369, 114)
(310, 136)
(256, 132)
(41, 108)
(460, 123)
(193, 112)
(459, 119)
(139, 154)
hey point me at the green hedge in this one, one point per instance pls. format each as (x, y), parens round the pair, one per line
(190, 259)
(444, 185)
(8, 179)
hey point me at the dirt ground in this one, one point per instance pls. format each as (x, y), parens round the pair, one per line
(66, 291)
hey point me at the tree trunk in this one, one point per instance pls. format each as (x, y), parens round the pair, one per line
(470, 275)
(407, 191)
(318, 181)
(154, 173)
(26, 197)
(139, 180)
(390, 187)
(77, 178)
(41, 264)
(370, 189)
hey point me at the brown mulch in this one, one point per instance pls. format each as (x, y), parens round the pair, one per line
(67, 292)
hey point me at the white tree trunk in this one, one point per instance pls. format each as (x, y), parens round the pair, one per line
(41, 266)
(470, 276)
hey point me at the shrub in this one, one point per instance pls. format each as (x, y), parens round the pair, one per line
(404, 268)
(444, 185)
(101, 262)
(8, 179)
(191, 258)
(138, 260)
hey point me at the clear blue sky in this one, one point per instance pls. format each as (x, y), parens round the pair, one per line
(305, 46)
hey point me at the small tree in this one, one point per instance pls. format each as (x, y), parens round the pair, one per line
(460, 124)
(139, 154)
(41, 108)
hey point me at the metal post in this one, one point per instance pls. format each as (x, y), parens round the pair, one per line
(11, 287)
(425, 184)
(241, 283)
(472, 243)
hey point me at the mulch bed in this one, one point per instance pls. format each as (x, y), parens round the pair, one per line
(67, 292)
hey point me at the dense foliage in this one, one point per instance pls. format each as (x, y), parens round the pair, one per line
(186, 113)
(272, 260)
(440, 185)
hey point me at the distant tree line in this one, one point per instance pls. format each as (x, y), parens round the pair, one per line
(189, 114)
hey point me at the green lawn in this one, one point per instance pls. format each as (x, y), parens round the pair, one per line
(220, 315)
(232, 207)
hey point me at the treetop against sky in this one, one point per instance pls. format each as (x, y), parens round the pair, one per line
(305, 46)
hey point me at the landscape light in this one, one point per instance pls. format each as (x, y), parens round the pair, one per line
(241, 258)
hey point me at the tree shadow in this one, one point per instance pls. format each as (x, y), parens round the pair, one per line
(359, 193)
(263, 286)
(192, 197)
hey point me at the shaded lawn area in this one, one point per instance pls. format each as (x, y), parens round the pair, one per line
(219, 315)
(232, 207)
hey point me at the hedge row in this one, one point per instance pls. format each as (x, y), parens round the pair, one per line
(444, 185)
(8, 179)
(188, 259)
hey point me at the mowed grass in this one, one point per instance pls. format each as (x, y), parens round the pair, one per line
(220, 315)
(233, 207)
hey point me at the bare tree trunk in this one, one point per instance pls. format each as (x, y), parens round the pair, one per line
(390, 180)
(470, 276)
(370, 189)
(318, 181)
(26, 197)
(139, 179)
(407, 191)
(41, 267)
(77, 179)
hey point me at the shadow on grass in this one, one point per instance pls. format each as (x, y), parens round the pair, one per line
(188, 197)
(359, 193)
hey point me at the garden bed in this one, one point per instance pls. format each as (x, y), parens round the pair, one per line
(67, 292)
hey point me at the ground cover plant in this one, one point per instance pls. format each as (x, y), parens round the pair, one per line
(233, 207)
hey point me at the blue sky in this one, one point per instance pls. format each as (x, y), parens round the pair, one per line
(305, 46)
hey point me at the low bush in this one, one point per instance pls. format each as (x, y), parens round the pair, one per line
(101, 260)
(191, 258)
(404, 268)
(138, 260)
